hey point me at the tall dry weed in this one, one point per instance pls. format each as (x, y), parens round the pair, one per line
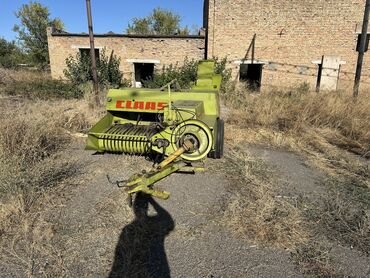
(255, 211)
(33, 171)
(31, 136)
(324, 126)
(333, 132)
(294, 112)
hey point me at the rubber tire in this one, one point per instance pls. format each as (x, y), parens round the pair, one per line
(219, 148)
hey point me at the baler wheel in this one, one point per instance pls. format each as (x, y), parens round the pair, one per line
(218, 152)
(199, 133)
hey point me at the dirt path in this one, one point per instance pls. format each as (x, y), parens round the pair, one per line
(299, 180)
(199, 245)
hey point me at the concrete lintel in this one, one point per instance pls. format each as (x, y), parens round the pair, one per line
(249, 61)
(143, 61)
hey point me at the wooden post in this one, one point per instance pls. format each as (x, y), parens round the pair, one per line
(250, 48)
(253, 46)
(92, 53)
(361, 51)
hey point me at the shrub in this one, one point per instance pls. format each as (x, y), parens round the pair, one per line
(186, 74)
(8, 62)
(226, 84)
(79, 70)
(43, 89)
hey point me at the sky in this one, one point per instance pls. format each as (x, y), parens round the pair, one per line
(108, 15)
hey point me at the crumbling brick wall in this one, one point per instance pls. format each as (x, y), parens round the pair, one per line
(165, 50)
(291, 33)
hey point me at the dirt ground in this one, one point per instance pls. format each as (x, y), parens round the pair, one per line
(96, 218)
(96, 233)
(298, 180)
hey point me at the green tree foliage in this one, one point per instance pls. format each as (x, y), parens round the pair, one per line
(221, 68)
(79, 70)
(186, 74)
(10, 54)
(34, 19)
(159, 22)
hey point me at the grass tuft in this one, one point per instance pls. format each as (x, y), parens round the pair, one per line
(335, 118)
(254, 211)
(33, 172)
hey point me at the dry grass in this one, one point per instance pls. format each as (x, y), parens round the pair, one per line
(34, 132)
(8, 76)
(37, 172)
(342, 214)
(33, 173)
(306, 227)
(324, 127)
(255, 212)
(314, 259)
(36, 85)
(339, 217)
(333, 132)
(294, 112)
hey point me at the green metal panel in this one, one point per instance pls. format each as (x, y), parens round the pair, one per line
(206, 77)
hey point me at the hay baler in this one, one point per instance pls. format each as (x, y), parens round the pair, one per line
(175, 129)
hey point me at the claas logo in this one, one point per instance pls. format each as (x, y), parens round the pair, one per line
(140, 105)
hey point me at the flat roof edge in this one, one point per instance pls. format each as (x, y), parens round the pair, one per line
(56, 34)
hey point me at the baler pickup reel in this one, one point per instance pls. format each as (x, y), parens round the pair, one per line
(179, 127)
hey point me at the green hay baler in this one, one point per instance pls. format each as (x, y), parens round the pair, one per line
(176, 128)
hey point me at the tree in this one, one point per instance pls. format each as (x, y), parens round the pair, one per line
(159, 22)
(79, 69)
(35, 18)
(10, 54)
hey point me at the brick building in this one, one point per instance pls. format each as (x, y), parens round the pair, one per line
(140, 55)
(292, 36)
(295, 41)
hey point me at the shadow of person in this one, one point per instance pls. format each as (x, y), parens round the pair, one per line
(140, 249)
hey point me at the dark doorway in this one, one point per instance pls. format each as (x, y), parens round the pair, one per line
(85, 53)
(143, 71)
(252, 75)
